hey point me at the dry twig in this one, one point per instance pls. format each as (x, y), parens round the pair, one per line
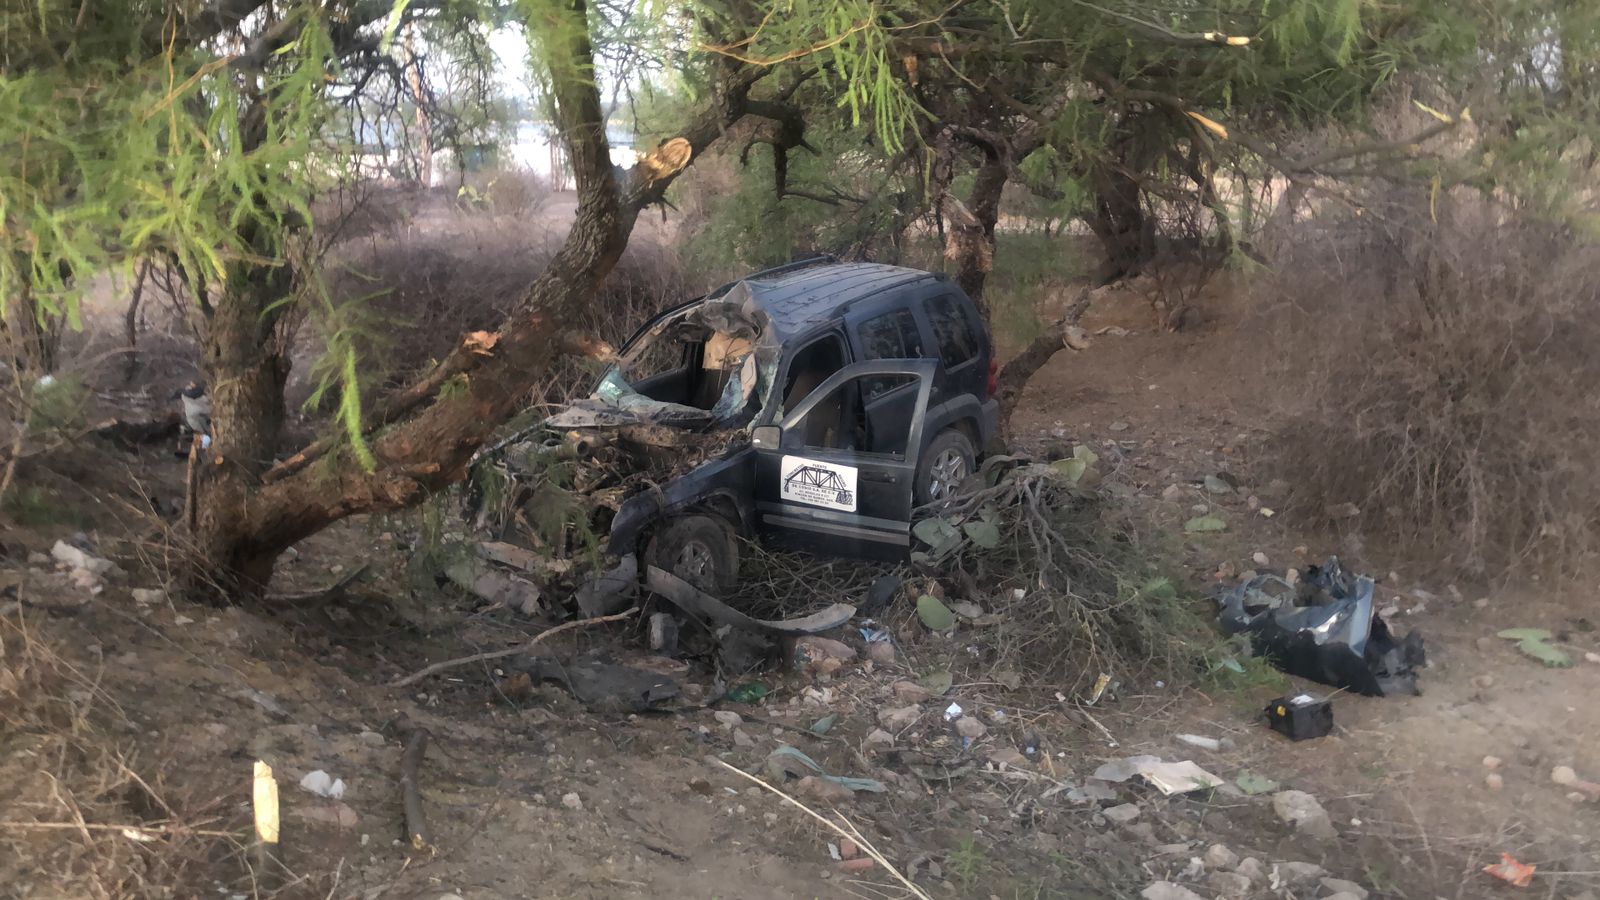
(438, 667)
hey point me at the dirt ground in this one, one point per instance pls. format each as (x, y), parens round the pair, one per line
(530, 794)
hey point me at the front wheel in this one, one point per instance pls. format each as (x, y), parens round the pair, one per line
(699, 549)
(946, 463)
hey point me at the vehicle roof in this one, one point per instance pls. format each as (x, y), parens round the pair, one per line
(797, 299)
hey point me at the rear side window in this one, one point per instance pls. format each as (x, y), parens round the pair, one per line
(892, 335)
(952, 329)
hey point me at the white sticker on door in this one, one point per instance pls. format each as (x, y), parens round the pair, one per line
(818, 483)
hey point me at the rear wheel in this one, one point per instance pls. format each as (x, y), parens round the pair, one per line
(946, 463)
(699, 549)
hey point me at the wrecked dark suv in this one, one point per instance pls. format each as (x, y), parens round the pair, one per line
(813, 405)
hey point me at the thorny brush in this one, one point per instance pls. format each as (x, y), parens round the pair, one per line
(1442, 380)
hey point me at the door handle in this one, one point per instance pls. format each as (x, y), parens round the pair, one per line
(880, 477)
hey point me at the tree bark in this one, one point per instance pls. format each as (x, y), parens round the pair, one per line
(430, 434)
(969, 239)
(1118, 220)
(1020, 369)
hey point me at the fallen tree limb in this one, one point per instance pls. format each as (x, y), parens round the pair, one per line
(418, 834)
(438, 667)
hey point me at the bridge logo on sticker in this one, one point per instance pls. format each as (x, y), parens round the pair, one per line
(818, 483)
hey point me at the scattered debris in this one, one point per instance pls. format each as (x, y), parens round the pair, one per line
(970, 728)
(74, 558)
(1168, 777)
(602, 685)
(938, 682)
(934, 613)
(1510, 871)
(1205, 524)
(699, 603)
(1535, 643)
(1216, 485)
(1201, 741)
(1323, 627)
(1301, 810)
(1252, 783)
(323, 785)
(750, 692)
(821, 656)
(149, 596)
(1301, 717)
(788, 762)
(825, 724)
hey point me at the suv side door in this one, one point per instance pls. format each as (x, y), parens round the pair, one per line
(830, 499)
(887, 330)
(956, 336)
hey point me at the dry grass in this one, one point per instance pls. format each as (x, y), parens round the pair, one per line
(1441, 373)
(77, 817)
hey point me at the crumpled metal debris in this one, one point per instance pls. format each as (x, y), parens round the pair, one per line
(788, 762)
(1324, 628)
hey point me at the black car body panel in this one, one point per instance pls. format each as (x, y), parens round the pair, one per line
(821, 384)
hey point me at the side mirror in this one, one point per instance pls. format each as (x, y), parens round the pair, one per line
(766, 437)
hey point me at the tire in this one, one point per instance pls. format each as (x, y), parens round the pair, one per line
(700, 550)
(947, 462)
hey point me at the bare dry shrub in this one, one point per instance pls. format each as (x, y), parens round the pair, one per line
(417, 291)
(517, 192)
(1441, 377)
(77, 819)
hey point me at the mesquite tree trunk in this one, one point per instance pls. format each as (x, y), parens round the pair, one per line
(424, 436)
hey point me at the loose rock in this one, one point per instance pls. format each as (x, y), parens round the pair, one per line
(1166, 890)
(147, 596)
(1252, 868)
(1123, 814)
(1302, 811)
(1298, 872)
(909, 692)
(822, 789)
(572, 801)
(1229, 885)
(881, 653)
(1340, 887)
(970, 727)
(727, 718)
(1493, 781)
(1218, 856)
(740, 739)
(896, 718)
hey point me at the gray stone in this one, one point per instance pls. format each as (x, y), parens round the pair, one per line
(1345, 895)
(1298, 872)
(1123, 814)
(1302, 811)
(1220, 857)
(1340, 887)
(1166, 890)
(1229, 885)
(1252, 868)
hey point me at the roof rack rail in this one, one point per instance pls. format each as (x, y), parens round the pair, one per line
(775, 270)
(792, 266)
